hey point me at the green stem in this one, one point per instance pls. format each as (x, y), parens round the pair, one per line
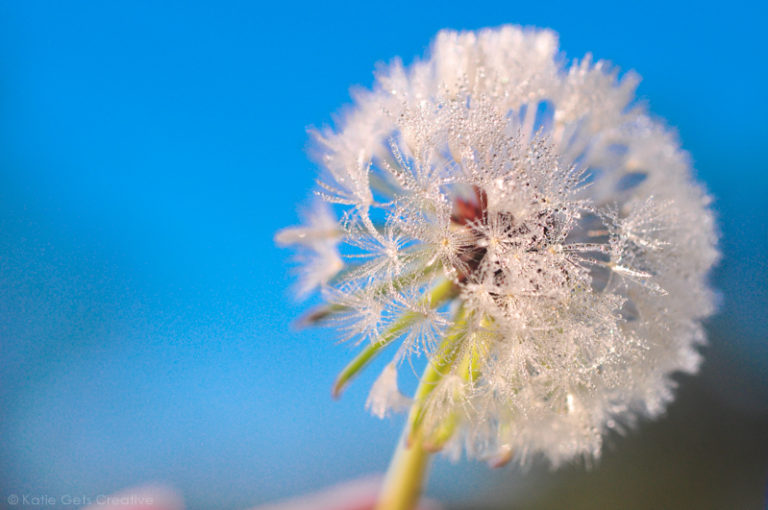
(436, 368)
(407, 472)
(405, 477)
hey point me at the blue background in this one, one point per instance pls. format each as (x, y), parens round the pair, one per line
(150, 150)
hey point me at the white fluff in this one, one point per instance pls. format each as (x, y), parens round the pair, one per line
(566, 217)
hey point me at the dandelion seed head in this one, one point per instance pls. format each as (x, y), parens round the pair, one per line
(562, 217)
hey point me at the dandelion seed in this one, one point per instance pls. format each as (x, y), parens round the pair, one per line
(318, 242)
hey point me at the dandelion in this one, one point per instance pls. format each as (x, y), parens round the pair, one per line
(528, 228)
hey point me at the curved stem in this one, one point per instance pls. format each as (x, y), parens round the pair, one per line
(407, 472)
(406, 475)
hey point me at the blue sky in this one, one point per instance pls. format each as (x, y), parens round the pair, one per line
(150, 150)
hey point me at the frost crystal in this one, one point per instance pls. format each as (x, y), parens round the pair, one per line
(529, 229)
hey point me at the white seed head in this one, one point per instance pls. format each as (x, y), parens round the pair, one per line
(565, 218)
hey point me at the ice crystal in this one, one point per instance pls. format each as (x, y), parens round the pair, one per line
(525, 225)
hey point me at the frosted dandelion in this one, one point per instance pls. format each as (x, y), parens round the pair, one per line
(525, 226)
